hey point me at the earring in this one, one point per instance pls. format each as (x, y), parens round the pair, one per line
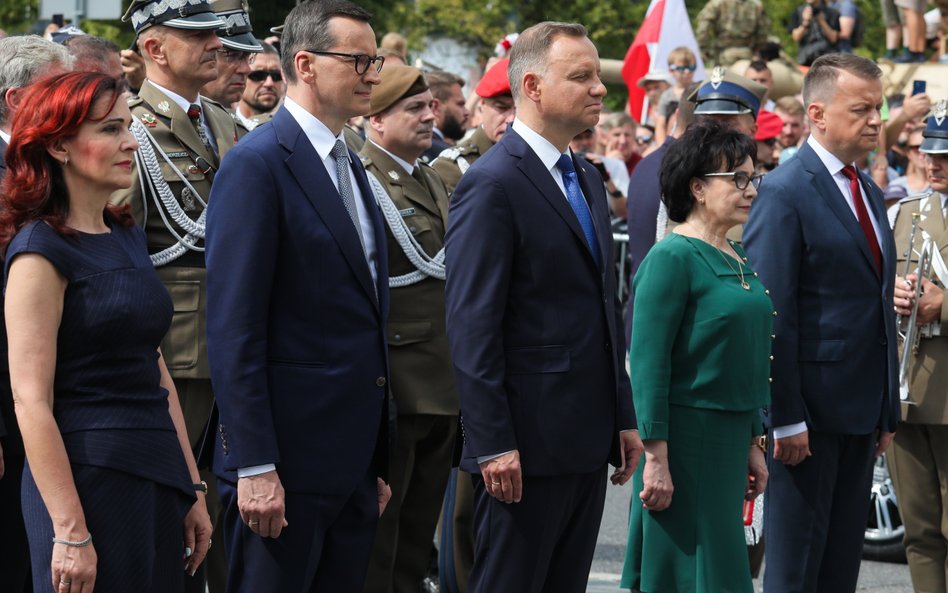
(66, 160)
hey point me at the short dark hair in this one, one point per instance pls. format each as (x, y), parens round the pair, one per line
(820, 80)
(530, 51)
(92, 53)
(758, 66)
(707, 146)
(441, 82)
(307, 27)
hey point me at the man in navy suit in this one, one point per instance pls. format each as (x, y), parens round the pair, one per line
(818, 236)
(535, 328)
(297, 306)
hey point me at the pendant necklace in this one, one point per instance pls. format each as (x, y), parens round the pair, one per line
(740, 269)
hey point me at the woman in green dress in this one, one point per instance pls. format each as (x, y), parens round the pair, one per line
(699, 364)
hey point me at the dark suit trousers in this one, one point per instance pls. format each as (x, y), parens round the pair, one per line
(15, 574)
(544, 543)
(918, 463)
(424, 447)
(815, 516)
(324, 549)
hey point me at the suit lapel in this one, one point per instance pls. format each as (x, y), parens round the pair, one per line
(533, 169)
(829, 191)
(307, 168)
(378, 232)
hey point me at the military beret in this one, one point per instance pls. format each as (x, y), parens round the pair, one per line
(398, 81)
(179, 14)
(726, 93)
(236, 32)
(936, 130)
(769, 125)
(495, 81)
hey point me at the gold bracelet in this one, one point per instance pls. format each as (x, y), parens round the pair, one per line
(760, 442)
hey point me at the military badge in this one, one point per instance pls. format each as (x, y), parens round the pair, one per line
(187, 199)
(940, 112)
(193, 170)
(149, 120)
(717, 77)
(393, 175)
(164, 106)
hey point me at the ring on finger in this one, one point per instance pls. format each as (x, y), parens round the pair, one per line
(252, 523)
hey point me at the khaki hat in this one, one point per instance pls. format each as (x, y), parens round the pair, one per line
(398, 81)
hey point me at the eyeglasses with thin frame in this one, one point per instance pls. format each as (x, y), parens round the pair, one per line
(232, 56)
(360, 61)
(262, 75)
(684, 68)
(741, 178)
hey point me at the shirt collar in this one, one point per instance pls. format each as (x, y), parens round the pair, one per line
(181, 102)
(409, 167)
(548, 153)
(319, 135)
(5, 136)
(829, 160)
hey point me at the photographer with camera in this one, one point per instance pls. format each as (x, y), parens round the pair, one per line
(815, 28)
(613, 171)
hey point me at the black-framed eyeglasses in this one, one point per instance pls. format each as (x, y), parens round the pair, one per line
(741, 178)
(360, 61)
(685, 68)
(261, 75)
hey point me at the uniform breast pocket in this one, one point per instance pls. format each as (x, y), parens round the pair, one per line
(418, 225)
(402, 333)
(185, 168)
(181, 346)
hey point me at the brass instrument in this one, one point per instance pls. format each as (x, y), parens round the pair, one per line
(910, 334)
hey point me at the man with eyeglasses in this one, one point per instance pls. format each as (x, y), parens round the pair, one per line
(264, 91)
(235, 59)
(182, 137)
(918, 460)
(497, 111)
(298, 300)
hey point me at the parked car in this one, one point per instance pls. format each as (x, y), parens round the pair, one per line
(884, 529)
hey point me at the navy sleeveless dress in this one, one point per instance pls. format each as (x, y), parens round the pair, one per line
(126, 460)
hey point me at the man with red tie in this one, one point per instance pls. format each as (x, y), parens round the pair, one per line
(818, 237)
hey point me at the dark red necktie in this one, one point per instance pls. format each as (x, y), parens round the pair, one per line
(863, 215)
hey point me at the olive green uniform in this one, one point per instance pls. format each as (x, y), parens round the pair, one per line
(918, 460)
(454, 161)
(422, 380)
(729, 30)
(185, 347)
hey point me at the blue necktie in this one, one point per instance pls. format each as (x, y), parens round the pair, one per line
(575, 197)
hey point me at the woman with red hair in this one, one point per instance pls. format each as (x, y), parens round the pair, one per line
(106, 448)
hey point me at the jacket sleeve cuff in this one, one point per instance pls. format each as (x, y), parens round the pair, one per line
(653, 430)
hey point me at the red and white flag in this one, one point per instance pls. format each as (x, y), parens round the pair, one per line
(666, 26)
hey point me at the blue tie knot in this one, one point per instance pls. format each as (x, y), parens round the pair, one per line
(565, 163)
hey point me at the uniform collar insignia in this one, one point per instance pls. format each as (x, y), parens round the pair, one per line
(393, 175)
(717, 77)
(149, 120)
(164, 106)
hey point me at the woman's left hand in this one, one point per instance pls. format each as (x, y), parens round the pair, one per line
(197, 534)
(757, 473)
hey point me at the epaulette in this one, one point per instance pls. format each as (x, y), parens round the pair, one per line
(134, 100)
(915, 197)
(214, 103)
(450, 154)
(366, 160)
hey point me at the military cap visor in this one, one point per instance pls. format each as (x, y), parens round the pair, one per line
(398, 82)
(178, 14)
(935, 136)
(726, 98)
(236, 33)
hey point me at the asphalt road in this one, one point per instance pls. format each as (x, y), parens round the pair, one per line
(874, 577)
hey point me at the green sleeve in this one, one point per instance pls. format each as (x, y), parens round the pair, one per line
(661, 295)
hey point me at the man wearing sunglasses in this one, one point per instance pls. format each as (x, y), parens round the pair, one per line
(297, 310)
(264, 91)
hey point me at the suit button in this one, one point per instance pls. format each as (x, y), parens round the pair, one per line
(608, 345)
(380, 382)
(771, 357)
(770, 379)
(398, 337)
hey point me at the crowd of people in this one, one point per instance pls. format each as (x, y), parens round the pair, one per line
(278, 313)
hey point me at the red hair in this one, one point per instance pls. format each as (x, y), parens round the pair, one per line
(51, 110)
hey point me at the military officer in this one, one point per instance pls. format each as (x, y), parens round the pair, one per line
(918, 461)
(235, 58)
(182, 138)
(497, 112)
(730, 30)
(264, 91)
(414, 204)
